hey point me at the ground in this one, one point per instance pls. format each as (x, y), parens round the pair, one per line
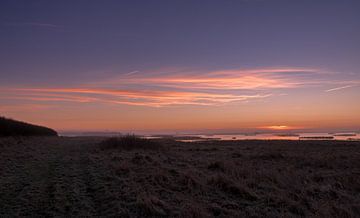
(58, 176)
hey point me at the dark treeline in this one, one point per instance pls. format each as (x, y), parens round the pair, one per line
(10, 127)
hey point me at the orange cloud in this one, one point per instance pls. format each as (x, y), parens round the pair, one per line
(219, 80)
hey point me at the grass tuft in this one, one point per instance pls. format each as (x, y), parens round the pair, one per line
(151, 206)
(130, 142)
(229, 186)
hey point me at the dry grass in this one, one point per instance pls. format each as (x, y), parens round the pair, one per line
(130, 142)
(72, 177)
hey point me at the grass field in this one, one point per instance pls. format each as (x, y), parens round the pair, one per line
(81, 176)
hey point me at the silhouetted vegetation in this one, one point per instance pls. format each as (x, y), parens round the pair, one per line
(10, 127)
(130, 142)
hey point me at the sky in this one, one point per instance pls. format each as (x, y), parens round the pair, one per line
(181, 65)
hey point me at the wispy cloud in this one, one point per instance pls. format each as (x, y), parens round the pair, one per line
(130, 97)
(33, 24)
(261, 78)
(24, 107)
(339, 88)
(180, 88)
(131, 73)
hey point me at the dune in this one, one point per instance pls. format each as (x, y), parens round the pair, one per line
(10, 127)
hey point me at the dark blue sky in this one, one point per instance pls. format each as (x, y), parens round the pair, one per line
(57, 40)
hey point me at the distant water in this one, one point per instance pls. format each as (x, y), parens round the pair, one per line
(251, 136)
(275, 136)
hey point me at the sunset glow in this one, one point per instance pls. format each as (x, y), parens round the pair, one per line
(282, 127)
(166, 69)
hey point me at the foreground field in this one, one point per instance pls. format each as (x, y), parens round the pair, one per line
(77, 177)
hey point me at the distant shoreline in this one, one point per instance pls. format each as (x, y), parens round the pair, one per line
(231, 137)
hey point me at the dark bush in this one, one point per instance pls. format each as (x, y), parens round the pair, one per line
(9, 127)
(130, 142)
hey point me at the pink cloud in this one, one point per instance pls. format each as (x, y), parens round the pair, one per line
(179, 88)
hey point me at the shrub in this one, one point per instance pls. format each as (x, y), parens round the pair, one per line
(130, 142)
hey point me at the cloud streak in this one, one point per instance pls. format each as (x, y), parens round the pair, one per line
(339, 88)
(266, 78)
(24, 107)
(179, 88)
(33, 24)
(129, 97)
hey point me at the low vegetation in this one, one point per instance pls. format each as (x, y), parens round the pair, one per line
(10, 127)
(130, 142)
(72, 177)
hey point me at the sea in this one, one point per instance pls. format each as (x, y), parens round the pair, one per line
(348, 136)
(268, 136)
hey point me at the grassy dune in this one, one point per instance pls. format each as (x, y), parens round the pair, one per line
(45, 176)
(10, 127)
